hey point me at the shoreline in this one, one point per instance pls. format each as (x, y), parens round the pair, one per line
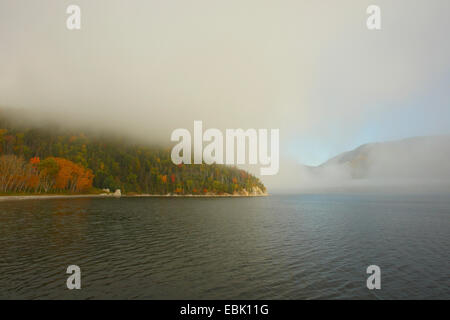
(75, 196)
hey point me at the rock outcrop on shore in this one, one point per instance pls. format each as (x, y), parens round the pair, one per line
(256, 191)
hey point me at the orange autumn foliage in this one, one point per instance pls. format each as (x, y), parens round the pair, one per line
(72, 177)
(35, 161)
(179, 190)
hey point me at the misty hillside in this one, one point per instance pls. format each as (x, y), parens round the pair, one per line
(42, 160)
(412, 158)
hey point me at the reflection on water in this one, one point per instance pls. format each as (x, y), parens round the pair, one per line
(277, 247)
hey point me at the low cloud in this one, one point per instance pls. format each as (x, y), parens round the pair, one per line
(145, 68)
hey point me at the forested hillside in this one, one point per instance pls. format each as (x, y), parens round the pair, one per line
(40, 160)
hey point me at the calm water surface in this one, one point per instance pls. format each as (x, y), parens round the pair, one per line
(277, 247)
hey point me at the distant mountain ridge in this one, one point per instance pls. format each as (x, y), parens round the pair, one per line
(419, 158)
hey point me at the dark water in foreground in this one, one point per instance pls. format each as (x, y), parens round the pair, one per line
(278, 247)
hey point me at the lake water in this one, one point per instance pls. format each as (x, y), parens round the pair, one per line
(276, 247)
